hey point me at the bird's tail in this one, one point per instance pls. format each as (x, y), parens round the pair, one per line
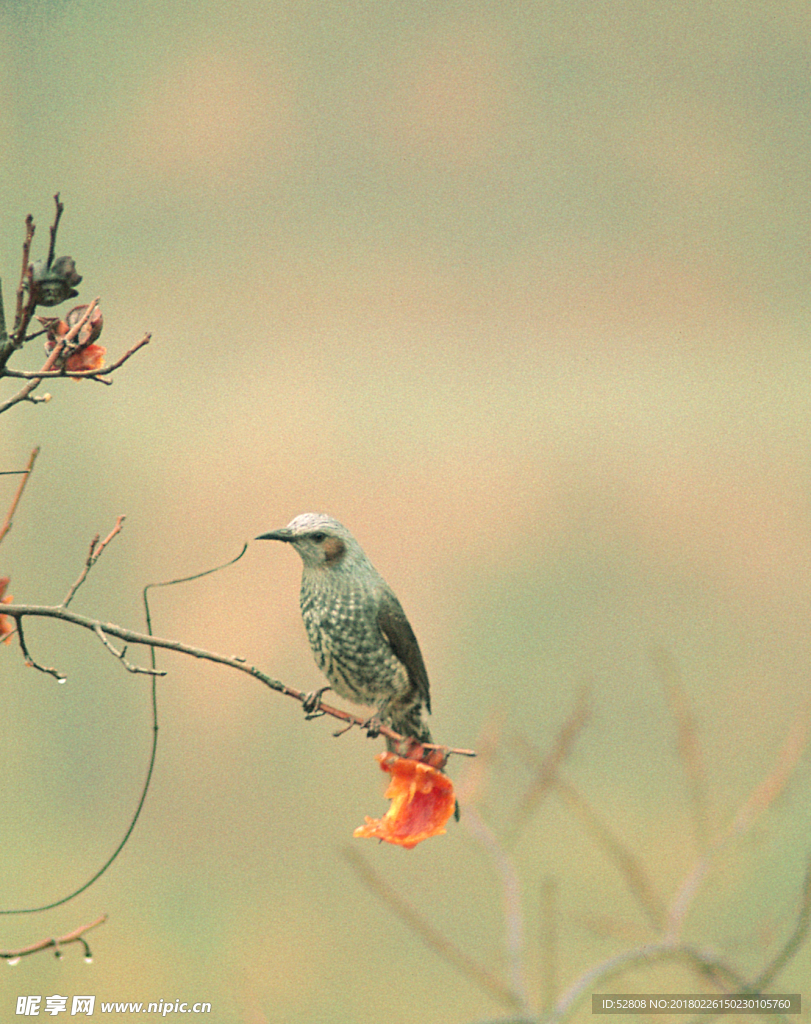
(410, 723)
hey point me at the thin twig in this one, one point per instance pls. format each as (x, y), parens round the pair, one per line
(546, 767)
(708, 964)
(29, 661)
(23, 315)
(16, 499)
(794, 941)
(636, 878)
(121, 655)
(549, 942)
(60, 206)
(77, 935)
(511, 894)
(759, 800)
(24, 394)
(93, 556)
(777, 780)
(689, 745)
(480, 975)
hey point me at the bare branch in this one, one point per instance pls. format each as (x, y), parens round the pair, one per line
(92, 557)
(794, 941)
(636, 878)
(22, 313)
(480, 975)
(60, 207)
(511, 894)
(774, 784)
(80, 374)
(546, 767)
(16, 499)
(130, 636)
(759, 800)
(549, 942)
(53, 364)
(707, 964)
(29, 661)
(689, 745)
(24, 394)
(77, 935)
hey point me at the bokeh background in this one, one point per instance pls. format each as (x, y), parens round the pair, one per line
(520, 294)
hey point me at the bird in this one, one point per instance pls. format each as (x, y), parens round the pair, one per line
(359, 634)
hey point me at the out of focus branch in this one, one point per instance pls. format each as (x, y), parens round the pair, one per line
(545, 768)
(482, 977)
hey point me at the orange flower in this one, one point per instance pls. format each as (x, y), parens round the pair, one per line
(6, 624)
(422, 801)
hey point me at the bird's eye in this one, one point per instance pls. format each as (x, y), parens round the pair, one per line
(318, 537)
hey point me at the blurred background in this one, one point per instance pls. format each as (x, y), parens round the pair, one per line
(519, 293)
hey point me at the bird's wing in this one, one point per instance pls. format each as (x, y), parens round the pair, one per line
(396, 628)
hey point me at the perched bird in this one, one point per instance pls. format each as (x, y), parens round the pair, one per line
(358, 631)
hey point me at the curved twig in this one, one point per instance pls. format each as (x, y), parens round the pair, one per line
(77, 935)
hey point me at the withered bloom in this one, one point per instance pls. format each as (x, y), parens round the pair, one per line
(91, 357)
(422, 801)
(87, 356)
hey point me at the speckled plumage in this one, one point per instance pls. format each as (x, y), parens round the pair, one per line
(359, 634)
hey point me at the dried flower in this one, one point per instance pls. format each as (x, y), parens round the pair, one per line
(422, 801)
(91, 357)
(87, 356)
(53, 284)
(6, 624)
(92, 329)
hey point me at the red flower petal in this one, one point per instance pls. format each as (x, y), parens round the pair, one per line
(422, 801)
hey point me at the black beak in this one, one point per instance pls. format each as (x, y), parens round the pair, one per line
(283, 534)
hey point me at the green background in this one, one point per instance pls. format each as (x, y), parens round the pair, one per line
(519, 293)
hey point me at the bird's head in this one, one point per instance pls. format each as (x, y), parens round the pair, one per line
(321, 541)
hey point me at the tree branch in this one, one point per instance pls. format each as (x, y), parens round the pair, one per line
(77, 935)
(23, 313)
(79, 374)
(19, 611)
(482, 977)
(93, 556)
(15, 501)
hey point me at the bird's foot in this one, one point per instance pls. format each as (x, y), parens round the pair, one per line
(373, 726)
(312, 703)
